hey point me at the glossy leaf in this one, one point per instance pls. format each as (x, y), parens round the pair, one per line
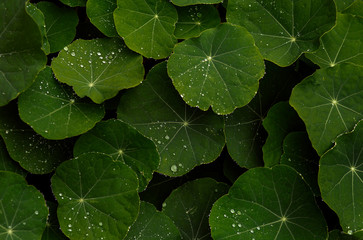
(100, 13)
(8, 164)
(97, 197)
(74, 3)
(340, 179)
(283, 29)
(220, 68)
(329, 103)
(185, 137)
(138, 20)
(194, 2)
(123, 143)
(98, 68)
(21, 57)
(268, 203)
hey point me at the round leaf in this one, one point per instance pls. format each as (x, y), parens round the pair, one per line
(100, 13)
(221, 69)
(194, 2)
(97, 197)
(268, 203)
(98, 68)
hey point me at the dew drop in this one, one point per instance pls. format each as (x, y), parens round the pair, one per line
(174, 168)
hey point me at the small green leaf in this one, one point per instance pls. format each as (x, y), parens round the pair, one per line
(97, 197)
(123, 143)
(98, 68)
(23, 212)
(75, 3)
(154, 20)
(100, 13)
(6, 163)
(220, 68)
(194, 2)
(340, 179)
(329, 103)
(268, 203)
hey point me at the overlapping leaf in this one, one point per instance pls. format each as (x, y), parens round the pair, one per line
(194, 2)
(100, 13)
(52, 230)
(6, 163)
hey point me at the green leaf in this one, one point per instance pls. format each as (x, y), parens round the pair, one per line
(195, 19)
(152, 225)
(100, 13)
(340, 179)
(185, 137)
(280, 121)
(283, 29)
(54, 111)
(268, 203)
(220, 68)
(338, 235)
(194, 2)
(23, 212)
(138, 20)
(123, 143)
(52, 230)
(21, 57)
(75, 3)
(355, 8)
(98, 68)
(341, 44)
(6, 163)
(97, 197)
(329, 103)
(189, 206)
(343, 4)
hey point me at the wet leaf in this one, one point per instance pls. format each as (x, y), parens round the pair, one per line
(100, 13)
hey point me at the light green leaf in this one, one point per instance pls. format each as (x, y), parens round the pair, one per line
(98, 68)
(340, 179)
(21, 57)
(341, 44)
(154, 20)
(220, 68)
(23, 212)
(185, 137)
(268, 203)
(329, 103)
(6, 163)
(123, 143)
(100, 13)
(97, 197)
(52, 230)
(75, 3)
(194, 2)
(283, 29)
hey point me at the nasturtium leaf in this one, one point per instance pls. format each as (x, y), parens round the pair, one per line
(283, 29)
(98, 68)
(21, 56)
(185, 137)
(340, 179)
(355, 8)
(147, 26)
(301, 156)
(189, 206)
(33, 152)
(343, 4)
(152, 225)
(339, 235)
(97, 197)
(268, 203)
(23, 212)
(194, 2)
(280, 120)
(54, 111)
(220, 68)
(341, 44)
(52, 230)
(74, 3)
(100, 13)
(60, 24)
(6, 163)
(123, 143)
(193, 20)
(329, 103)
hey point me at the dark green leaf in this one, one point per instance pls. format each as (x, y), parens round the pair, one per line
(100, 13)
(194, 2)
(6, 163)
(75, 3)
(338, 235)
(355, 9)
(343, 4)
(52, 230)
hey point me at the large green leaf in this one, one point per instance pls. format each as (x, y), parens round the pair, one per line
(329, 102)
(268, 204)
(338, 235)
(341, 44)
(123, 143)
(74, 3)
(340, 179)
(21, 57)
(283, 29)
(23, 212)
(194, 2)
(97, 197)
(154, 20)
(54, 111)
(98, 68)
(6, 163)
(100, 13)
(185, 137)
(221, 69)
(189, 206)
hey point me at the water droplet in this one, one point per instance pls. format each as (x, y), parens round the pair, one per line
(167, 137)
(36, 212)
(232, 211)
(174, 168)
(73, 54)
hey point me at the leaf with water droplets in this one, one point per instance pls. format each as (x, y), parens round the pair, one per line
(337, 234)
(268, 203)
(340, 179)
(329, 103)
(283, 29)
(185, 137)
(98, 68)
(8, 164)
(97, 197)
(194, 2)
(100, 13)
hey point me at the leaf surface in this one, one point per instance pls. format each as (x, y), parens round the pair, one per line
(100, 13)
(194, 2)
(74, 3)
(8, 164)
